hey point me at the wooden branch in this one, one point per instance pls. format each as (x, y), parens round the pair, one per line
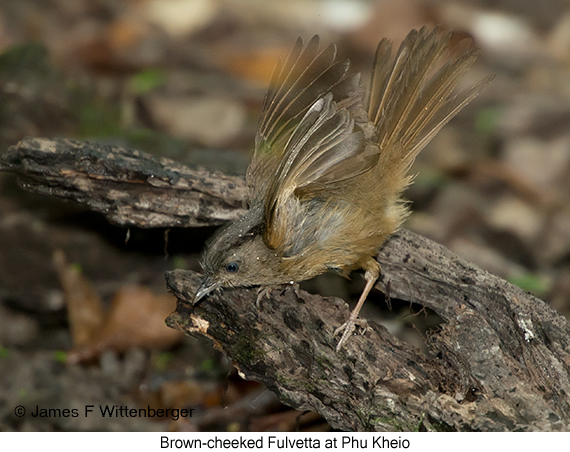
(129, 187)
(500, 360)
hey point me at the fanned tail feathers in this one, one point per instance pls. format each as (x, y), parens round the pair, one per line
(411, 97)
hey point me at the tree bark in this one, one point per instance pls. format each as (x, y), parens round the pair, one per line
(499, 362)
(129, 187)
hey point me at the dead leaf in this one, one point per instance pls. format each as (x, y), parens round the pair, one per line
(136, 319)
(84, 306)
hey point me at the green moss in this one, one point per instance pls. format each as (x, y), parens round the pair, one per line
(393, 421)
(397, 423)
(420, 423)
(246, 349)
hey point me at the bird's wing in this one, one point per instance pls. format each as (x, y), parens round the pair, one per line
(306, 138)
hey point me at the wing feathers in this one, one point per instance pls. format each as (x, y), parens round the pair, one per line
(297, 79)
(307, 75)
(313, 131)
(323, 141)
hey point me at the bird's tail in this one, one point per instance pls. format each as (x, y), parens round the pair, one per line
(411, 95)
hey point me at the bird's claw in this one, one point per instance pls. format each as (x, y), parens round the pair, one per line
(262, 292)
(348, 327)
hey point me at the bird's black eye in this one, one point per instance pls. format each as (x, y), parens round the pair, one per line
(232, 267)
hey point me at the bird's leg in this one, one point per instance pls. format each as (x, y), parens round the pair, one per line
(371, 275)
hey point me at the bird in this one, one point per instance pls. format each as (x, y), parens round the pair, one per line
(331, 160)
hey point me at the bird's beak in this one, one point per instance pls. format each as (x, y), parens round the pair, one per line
(205, 288)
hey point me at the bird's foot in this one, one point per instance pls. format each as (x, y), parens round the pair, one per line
(262, 292)
(347, 328)
(265, 291)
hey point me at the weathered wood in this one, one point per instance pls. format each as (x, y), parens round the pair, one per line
(500, 360)
(129, 187)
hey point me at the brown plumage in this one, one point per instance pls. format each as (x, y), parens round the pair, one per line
(328, 169)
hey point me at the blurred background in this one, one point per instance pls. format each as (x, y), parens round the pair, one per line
(184, 79)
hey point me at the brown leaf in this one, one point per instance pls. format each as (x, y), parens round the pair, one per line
(84, 306)
(136, 319)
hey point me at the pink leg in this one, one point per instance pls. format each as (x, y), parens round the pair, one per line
(349, 325)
